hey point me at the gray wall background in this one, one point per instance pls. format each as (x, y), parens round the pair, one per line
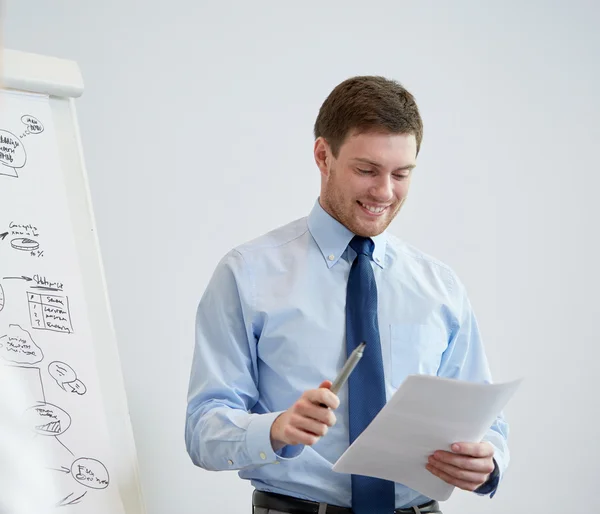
(196, 124)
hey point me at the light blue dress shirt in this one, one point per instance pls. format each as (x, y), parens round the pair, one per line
(271, 324)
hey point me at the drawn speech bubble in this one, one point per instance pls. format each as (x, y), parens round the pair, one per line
(47, 419)
(76, 387)
(90, 473)
(12, 151)
(18, 346)
(62, 373)
(66, 378)
(34, 126)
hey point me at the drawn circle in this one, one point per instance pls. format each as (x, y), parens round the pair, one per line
(90, 473)
(19, 347)
(33, 124)
(61, 372)
(1, 298)
(25, 244)
(12, 151)
(47, 419)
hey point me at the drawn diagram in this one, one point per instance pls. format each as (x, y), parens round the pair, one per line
(66, 378)
(34, 126)
(46, 311)
(18, 346)
(12, 152)
(41, 282)
(90, 472)
(30, 378)
(49, 354)
(49, 421)
(49, 312)
(25, 244)
(24, 237)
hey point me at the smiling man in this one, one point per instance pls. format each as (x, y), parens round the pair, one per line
(282, 313)
(365, 184)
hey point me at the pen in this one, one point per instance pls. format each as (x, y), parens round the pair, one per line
(349, 366)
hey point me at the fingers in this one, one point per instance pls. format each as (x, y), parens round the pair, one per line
(481, 465)
(294, 436)
(307, 420)
(322, 396)
(310, 425)
(462, 479)
(314, 411)
(306, 425)
(468, 466)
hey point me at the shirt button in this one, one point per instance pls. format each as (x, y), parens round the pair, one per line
(331, 257)
(230, 462)
(263, 456)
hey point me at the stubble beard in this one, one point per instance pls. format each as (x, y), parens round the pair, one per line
(342, 209)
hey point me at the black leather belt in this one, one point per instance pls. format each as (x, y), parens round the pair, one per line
(293, 505)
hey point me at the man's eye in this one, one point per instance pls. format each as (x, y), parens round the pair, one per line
(400, 177)
(364, 172)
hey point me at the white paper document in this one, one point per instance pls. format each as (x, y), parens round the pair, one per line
(426, 414)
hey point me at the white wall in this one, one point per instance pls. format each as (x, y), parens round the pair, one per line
(196, 123)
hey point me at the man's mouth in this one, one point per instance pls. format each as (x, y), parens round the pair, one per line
(373, 210)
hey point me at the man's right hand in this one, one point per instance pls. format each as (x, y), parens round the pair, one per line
(307, 420)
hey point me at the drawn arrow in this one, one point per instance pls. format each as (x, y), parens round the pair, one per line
(22, 277)
(2, 236)
(62, 469)
(65, 501)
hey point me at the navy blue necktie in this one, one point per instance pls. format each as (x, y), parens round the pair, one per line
(366, 385)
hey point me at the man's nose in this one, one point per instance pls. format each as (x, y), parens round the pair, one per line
(383, 189)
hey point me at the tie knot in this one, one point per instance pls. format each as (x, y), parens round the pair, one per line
(362, 245)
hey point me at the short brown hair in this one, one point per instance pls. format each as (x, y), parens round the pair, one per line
(366, 103)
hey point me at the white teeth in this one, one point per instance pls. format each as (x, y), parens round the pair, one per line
(375, 210)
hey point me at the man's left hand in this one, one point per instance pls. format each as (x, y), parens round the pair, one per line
(467, 466)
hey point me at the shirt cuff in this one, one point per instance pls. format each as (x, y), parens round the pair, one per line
(258, 441)
(491, 485)
(501, 454)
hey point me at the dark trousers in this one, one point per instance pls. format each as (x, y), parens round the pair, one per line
(271, 503)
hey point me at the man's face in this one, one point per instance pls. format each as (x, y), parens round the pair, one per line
(365, 186)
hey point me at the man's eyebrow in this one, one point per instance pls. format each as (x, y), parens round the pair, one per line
(377, 165)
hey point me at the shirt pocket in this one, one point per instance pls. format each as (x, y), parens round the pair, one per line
(415, 350)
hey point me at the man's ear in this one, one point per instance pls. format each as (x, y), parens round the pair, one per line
(323, 156)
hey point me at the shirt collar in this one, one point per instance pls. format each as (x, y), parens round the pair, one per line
(333, 238)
